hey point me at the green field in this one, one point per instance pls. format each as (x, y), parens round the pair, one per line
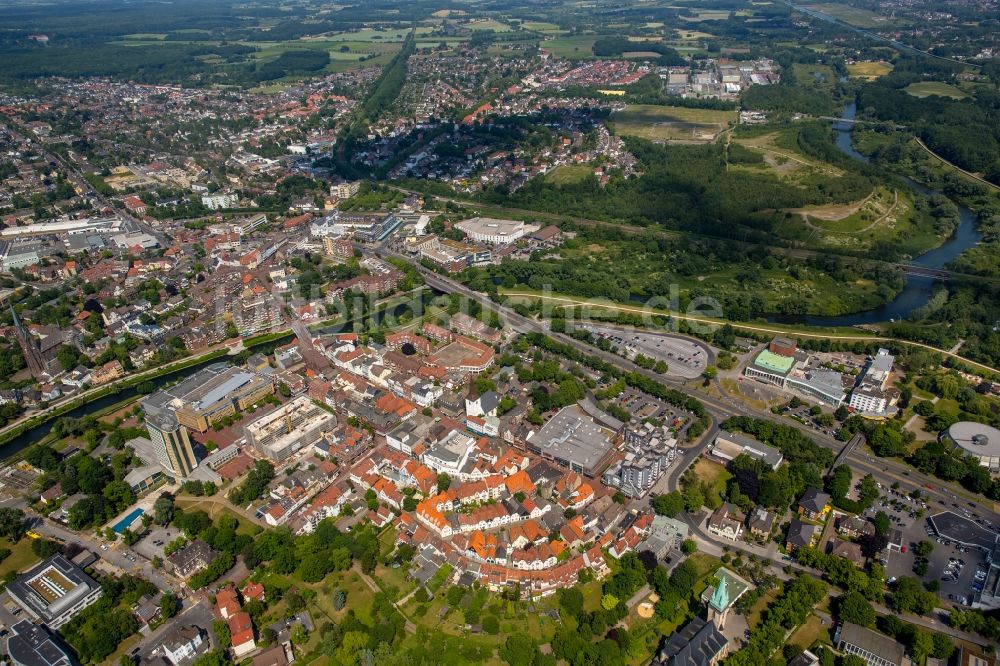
(542, 26)
(928, 88)
(568, 173)
(575, 47)
(486, 24)
(856, 16)
(21, 556)
(706, 15)
(869, 69)
(671, 123)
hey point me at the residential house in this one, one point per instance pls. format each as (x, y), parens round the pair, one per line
(727, 521)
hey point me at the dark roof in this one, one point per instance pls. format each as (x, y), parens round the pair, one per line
(696, 644)
(870, 641)
(799, 533)
(32, 645)
(814, 500)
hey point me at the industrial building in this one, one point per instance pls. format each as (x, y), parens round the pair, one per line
(728, 445)
(291, 427)
(54, 591)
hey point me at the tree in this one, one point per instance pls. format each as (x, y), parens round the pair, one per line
(923, 548)
(491, 625)
(299, 635)
(688, 546)
(170, 605)
(853, 607)
(163, 509)
(443, 482)
(221, 630)
(518, 650)
(12, 525)
(694, 499)
(909, 596)
(668, 504)
(609, 601)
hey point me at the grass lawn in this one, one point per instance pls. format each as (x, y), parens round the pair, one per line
(869, 69)
(541, 26)
(568, 173)
(712, 474)
(928, 88)
(856, 16)
(21, 556)
(753, 617)
(487, 24)
(214, 509)
(671, 123)
(575, 47)
(810, 632)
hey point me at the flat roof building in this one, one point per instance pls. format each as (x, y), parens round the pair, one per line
(728, 445)
(54, 591)
(291, 427)
(575, 439)
(490, 230)
(975, 439)
(32, 645)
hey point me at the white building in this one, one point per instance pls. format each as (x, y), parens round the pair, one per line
(490, 230)
(219, 201)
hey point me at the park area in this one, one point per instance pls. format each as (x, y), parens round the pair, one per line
(671, 123)
(568, 173)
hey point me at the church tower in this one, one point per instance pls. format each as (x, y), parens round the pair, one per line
(718, 605)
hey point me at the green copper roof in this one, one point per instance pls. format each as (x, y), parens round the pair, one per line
(720, 598)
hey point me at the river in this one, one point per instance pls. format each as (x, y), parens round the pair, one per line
(36, 434)
(917, 290)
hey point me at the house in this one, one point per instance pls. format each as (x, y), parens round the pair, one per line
(814, 504)
(800, 535)
(761, 522)
(241, 630)
(854, 527)
(253, 591)
(847, 550)
(875, 648)
(183, 643)
(726, 521)
(192, 558)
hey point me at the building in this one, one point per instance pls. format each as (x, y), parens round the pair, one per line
(192, 558)
(39, 352)
(719, 600)
(171, 444)
(728, 445)
(698, 643)
(577, 440)
(814, 504)
(219, 201)
(286, 430)
(800, 535)
(33, 645)
(761, 522)
(784, 365)
(870, 395)
(54, 591)
(975, 439)
(489, 230)
(727, 522)
(875, 648)
(183, 642)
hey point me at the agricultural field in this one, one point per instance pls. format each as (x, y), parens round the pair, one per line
(542, 26)
(706, 15)
(574, 48)
(868, 69)
(671, 123)
(486, 24)
(568, 173)
(928, 88)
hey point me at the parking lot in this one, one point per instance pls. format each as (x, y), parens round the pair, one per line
(684, 357)
(643, 406)
(959, 569)
(152, 544)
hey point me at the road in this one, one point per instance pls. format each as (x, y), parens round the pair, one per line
(115, 554)
(885, 470)
(981, 181)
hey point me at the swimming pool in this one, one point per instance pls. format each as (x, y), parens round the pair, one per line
(127, 521)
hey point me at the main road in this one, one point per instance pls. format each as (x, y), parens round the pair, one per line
(885, 470)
